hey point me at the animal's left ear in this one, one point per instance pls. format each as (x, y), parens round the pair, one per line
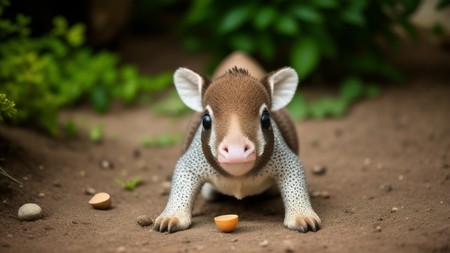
(282, 84)
(190, 87)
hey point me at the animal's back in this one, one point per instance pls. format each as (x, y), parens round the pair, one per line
(281, 117)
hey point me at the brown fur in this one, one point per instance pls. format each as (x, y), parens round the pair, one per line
(248, 96)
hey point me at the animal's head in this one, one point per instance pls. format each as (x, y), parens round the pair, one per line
(237, 135)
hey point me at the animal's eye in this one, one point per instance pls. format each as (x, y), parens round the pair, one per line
(206, 121)
(265, 119)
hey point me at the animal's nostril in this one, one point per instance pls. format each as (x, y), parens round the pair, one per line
(225, 149)
(246, 148)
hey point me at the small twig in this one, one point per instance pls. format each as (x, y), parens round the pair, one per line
(4, 173)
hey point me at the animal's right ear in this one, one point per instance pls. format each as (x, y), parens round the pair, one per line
(190, 86)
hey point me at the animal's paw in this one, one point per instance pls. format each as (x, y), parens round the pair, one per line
(171, 224)
(303, 223)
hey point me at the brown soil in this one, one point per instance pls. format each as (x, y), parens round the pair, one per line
(390, 151)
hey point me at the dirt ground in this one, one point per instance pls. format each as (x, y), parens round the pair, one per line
(390, 152)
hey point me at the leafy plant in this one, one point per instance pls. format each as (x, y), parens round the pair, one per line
(44, 74)
(131, 184)
(96, 133)
(165, 140)
(321, 39)
(7, 109)
(351, 90)
(306, 34)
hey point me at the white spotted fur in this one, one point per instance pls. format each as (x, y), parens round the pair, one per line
(193, 170)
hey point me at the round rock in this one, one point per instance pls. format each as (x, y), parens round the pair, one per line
(144, 220)
(29, 212)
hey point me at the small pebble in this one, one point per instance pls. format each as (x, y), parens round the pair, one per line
(29, 212)
(325, 194)
(264, 243)
(166, 184)
(288, 246)
(121, 249)
(234, 240)
(90, 191)
(401, 177)
(386, 187)
(165, 188)
(367, 162)
(57, 184)
(394, 209)
(378, 229)
(41, 194)
(106, 164)
(136, 153)
(319, 170)
(315, 194)
(144, 220)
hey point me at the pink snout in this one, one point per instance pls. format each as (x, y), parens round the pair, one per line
(237, 152)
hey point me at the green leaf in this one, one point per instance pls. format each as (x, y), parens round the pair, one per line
(75, 35)
(131, 184)
(198, 11)
(353, 16)
(326, 4)
(71, 128)
(287, 25)
(100, 99)
(264, 17)
(298, 107)
(307, 13)
(7, 108)
(60, 25)
(242, 41)
(305, 56)
(351, 89)
(235, 18)
(266, 47)
(96, 133)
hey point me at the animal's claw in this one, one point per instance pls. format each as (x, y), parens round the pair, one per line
(170, 224)
(304, 223)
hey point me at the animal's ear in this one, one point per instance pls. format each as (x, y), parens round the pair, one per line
(190, 86)
(282, 84)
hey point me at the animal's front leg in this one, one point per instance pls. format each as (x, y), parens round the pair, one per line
(177, 214)
(299, 214)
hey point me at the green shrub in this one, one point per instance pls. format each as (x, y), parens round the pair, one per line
(324, 40)
(44, 74)
(306, 34)
(7, 109)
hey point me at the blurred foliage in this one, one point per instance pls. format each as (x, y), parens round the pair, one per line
(334, 39)
(96, 133)
(44, 74)
(171, 105)
(164, 140)
(306, 34)
(7, 108)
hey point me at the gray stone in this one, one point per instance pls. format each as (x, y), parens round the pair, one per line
(29, 212)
